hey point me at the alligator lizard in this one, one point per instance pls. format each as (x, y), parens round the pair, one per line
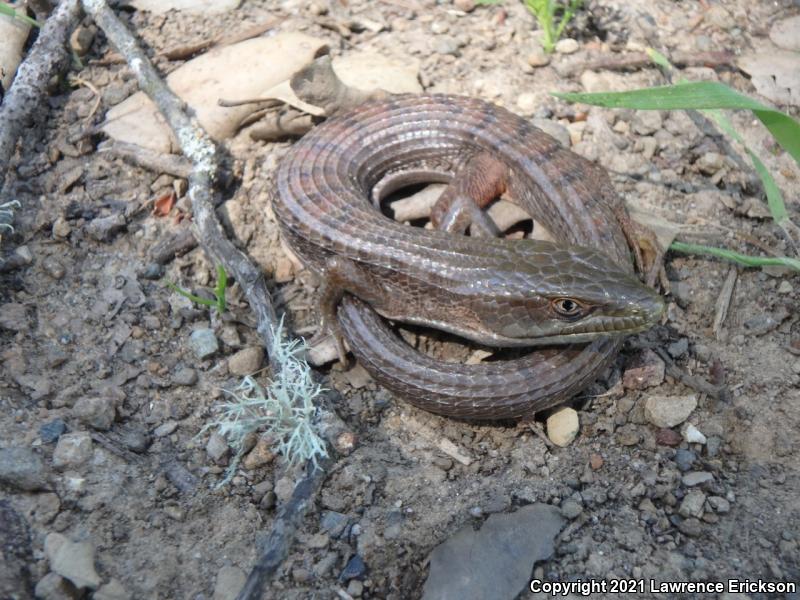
(576, 297)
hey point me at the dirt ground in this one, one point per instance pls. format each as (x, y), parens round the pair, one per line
(95, 347)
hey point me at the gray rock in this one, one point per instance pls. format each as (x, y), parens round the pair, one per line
(692, 504)
(496, 561)
(761, 324)
(333, 522)
(646, 122)
(23, 469)
(72, 450)
(691, 527)
(571, 509)
(679, 348)
(97, 412)
(203, 343)
(113, 590)
(684, 459)
(246, 361)
(14, 317)
(72, 560)
(16, 552)
(50, 432)
(355, 568)
(669, 411)
(54, 587)
(786, 33)
(165, 429)
(153, 271)
(135, 440)
(53, 267)
(713, 446)
(217, 448)
(446, 44)
(230, 581)
(104, 229)
(184, 376)
(710, 162)
(694, 478)
(114, 94)
(719, 504)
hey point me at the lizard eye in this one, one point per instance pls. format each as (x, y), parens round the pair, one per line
(567, 308)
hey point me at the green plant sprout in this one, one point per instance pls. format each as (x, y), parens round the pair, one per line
(9, 11)
(284, 409)
(710, 97)
(219, 292)
(545, 13)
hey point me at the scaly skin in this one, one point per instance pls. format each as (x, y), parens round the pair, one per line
(493, 291)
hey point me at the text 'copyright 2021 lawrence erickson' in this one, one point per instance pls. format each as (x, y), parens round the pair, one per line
(588, 587)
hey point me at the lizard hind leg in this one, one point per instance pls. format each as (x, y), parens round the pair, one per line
(340, 276)
(480, 180)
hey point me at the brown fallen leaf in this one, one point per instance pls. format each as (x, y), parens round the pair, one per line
(164, 203)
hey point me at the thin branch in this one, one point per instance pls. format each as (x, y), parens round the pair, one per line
(47, 57)
(198, 148)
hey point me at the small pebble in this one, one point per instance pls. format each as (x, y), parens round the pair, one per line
(785, 287)
(23, 469)
(571, 509)
(153, 271)
(72, 450)
(53, 267)
(99, 412)
(563, 426)
(694, 478)
(184, 376)
(668, 437)
(333, 523)
(538, 58)
(527, 102)
(567, 46)
(693, 435)
(679, 348)
(691, 527)
(669, 411)
(719, 505)
(684, 459)
(50, 432)
(203, 343)
(355, 569)
(246, 361)
(465, 5)
(217, 448)
(113, 590)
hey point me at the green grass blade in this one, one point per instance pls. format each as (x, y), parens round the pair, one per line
(698, 95)
(9, 11)
(659, 59)
(774, 197)
(192, 297)
(741, 259)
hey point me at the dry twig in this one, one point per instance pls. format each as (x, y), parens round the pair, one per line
(197, 146)
(46, 58)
